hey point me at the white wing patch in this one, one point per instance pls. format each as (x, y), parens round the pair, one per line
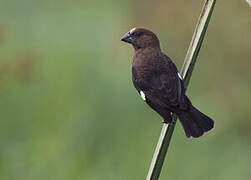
(132, 30)
(143, 96)
(180, 76)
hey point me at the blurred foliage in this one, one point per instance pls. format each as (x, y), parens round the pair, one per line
(68, 107)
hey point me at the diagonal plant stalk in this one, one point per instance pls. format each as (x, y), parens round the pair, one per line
(186, 72)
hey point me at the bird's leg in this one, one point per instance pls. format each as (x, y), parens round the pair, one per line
(167, 119)
(164, 121)
(172, 120)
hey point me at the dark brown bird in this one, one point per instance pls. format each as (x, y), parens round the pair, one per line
(157, 80)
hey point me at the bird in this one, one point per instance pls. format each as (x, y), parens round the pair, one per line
(158, 82)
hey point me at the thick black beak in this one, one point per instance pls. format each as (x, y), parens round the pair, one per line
(127, 38)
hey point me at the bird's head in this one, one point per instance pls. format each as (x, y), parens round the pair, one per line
(141, 38)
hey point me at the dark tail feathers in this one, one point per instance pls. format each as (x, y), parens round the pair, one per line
(194, 122)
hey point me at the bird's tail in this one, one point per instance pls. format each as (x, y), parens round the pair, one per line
(194, 122)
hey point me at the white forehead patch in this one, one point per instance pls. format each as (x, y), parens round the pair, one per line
(132, 30)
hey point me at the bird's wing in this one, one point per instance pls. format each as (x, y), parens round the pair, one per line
(166, 87)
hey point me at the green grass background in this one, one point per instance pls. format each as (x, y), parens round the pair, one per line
(68, 107)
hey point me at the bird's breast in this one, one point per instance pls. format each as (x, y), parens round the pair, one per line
(142, 72)
(142, 75)
(145, 66)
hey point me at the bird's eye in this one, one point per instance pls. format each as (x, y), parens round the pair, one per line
(137, 33)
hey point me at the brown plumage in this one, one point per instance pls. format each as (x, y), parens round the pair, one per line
(156, 79)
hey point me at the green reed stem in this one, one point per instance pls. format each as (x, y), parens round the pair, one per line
(186, 73)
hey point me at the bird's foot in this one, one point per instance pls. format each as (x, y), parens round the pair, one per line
(169, 121)
(165, 121)
(172, 122)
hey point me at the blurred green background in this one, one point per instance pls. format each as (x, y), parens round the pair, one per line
(68, 107)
